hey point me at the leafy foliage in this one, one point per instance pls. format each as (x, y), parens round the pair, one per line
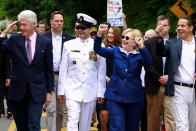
(140, 14)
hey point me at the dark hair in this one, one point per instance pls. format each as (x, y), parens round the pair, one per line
(54, 13)
(106, 23)
(117, 36)
(41, 22)
(189, 22)
(189, 19)
(163, 17)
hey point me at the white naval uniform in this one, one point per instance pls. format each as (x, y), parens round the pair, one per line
(81, 80)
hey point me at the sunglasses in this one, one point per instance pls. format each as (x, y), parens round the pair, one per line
(80, 27)
(125, 37)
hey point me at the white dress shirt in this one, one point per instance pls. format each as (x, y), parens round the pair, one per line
(56, 43)
(186, 69)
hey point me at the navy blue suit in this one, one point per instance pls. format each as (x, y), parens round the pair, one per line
(124, 92)
(29, 82)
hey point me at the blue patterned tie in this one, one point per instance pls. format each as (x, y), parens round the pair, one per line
(28, 50)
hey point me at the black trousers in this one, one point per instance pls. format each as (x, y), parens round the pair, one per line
(4, 95)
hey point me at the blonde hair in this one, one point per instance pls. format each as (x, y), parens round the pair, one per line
(134, 34)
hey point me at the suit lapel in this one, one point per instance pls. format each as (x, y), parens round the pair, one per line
(179, 48)
(62, 44)
(37, 48)
(195, 54)
(21, 45)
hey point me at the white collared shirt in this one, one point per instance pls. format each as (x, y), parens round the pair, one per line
(132, 52)
(186, 69)
(57, 45)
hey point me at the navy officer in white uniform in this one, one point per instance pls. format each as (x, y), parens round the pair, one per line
(81, 76)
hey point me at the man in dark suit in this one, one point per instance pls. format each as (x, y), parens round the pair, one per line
(181, 73)
(58, 37)
(32, 80)
(155, 79)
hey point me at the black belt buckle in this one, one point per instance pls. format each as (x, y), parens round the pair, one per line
(184, 84)
(56, 72)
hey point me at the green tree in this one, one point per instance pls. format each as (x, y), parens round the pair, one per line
(140, 14)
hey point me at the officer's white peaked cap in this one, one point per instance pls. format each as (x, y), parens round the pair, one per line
(87, 18)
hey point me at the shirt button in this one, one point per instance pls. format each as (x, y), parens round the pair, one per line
(125, 80)
(126, 70)
(83, 73)
(84, 54)
(83, 83)
(84, 63)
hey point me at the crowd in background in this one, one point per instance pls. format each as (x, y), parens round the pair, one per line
(125, 80)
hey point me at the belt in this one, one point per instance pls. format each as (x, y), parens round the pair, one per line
(56, 72)
(183, 84)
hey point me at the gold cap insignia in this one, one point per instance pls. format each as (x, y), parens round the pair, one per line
(81, 18)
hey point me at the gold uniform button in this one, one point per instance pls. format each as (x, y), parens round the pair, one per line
(74, 61)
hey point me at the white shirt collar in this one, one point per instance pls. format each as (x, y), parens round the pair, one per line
(132, 52)
(57, 36)
(86, 40)
(192, 42)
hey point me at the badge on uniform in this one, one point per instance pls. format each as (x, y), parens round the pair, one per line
(92, 56)
(74, 62)
(75, 51)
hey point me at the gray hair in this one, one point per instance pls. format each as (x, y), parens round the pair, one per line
(29, 15)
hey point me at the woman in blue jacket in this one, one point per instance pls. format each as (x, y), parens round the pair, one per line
(111, 39)
(125, 96)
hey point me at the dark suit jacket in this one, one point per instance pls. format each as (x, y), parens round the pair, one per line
(172, 50)
(65, 37)
(38, 74)
(155, 71)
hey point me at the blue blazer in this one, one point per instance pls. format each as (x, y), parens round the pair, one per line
(38, 74)
(173, 50)
(125, 84)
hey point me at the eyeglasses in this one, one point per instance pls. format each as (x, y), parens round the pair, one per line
(80, 27)
(126, 37)
(41, 27)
